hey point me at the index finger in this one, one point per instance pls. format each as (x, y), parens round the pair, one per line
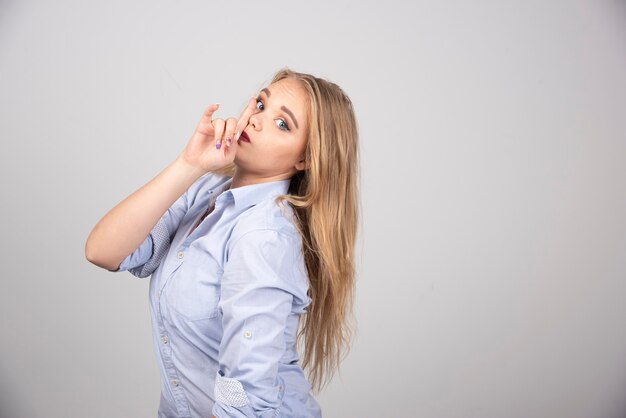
(245, 116)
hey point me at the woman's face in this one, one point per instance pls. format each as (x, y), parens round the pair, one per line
(278, 132)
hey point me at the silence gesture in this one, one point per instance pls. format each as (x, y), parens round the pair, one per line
(214, 142)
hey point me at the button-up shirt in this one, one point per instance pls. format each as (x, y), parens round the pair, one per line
(225, 300)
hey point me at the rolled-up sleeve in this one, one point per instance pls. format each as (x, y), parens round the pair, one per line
(257, 293)
(146, 258)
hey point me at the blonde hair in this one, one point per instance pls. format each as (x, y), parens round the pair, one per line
(326, 204)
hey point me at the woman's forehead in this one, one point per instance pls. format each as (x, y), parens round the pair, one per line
(287, 88)
(290, 95)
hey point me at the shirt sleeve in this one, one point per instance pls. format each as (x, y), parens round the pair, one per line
(146, 258)
(258, 287)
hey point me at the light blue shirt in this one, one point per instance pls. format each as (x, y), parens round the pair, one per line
(225, 303)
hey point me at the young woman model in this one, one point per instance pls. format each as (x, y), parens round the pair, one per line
(249, 229)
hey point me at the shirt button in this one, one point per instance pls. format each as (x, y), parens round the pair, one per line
(164, 339)
(181, 254)
(247, 334)
(175, 382)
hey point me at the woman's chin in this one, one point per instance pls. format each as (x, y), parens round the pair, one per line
(240, 161)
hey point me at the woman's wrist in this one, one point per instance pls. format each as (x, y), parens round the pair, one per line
(187, 170)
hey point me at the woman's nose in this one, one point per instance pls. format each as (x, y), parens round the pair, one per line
(255, 121)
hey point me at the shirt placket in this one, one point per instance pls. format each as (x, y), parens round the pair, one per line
(165, 337)
(165, 348)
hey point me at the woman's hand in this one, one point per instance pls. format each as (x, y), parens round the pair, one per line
(127, 225)
(214, 142)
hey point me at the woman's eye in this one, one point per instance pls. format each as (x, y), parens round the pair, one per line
(282, 125)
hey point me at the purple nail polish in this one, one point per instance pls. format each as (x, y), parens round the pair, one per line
(218, 145)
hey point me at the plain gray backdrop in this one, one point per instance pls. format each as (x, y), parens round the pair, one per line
(492, 255)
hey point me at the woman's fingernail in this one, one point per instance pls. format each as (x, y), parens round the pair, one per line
(237, 136)
(218, 145)
(228, 141)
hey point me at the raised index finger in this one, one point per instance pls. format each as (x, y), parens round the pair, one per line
(245, 116)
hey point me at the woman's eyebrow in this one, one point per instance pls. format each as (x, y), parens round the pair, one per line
(291, 115)
(284, 108)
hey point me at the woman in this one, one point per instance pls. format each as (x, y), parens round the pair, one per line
(249, 229)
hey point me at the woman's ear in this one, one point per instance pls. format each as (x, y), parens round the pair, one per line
(301, 165)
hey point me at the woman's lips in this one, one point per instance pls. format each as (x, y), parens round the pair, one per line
(244, 137)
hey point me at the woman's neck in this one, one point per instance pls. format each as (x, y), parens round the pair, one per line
(241, 179)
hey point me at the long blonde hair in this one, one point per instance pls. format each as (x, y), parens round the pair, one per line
(325, 199)
(326, 204)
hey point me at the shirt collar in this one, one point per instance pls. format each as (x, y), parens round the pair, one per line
(247, 196)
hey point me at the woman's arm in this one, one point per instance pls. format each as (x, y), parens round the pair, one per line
(128, 224)
(262, 280)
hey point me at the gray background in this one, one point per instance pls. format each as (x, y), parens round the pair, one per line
(492, 259)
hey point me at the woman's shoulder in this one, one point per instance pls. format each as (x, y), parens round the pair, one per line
(269, 215)
(267, 230)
